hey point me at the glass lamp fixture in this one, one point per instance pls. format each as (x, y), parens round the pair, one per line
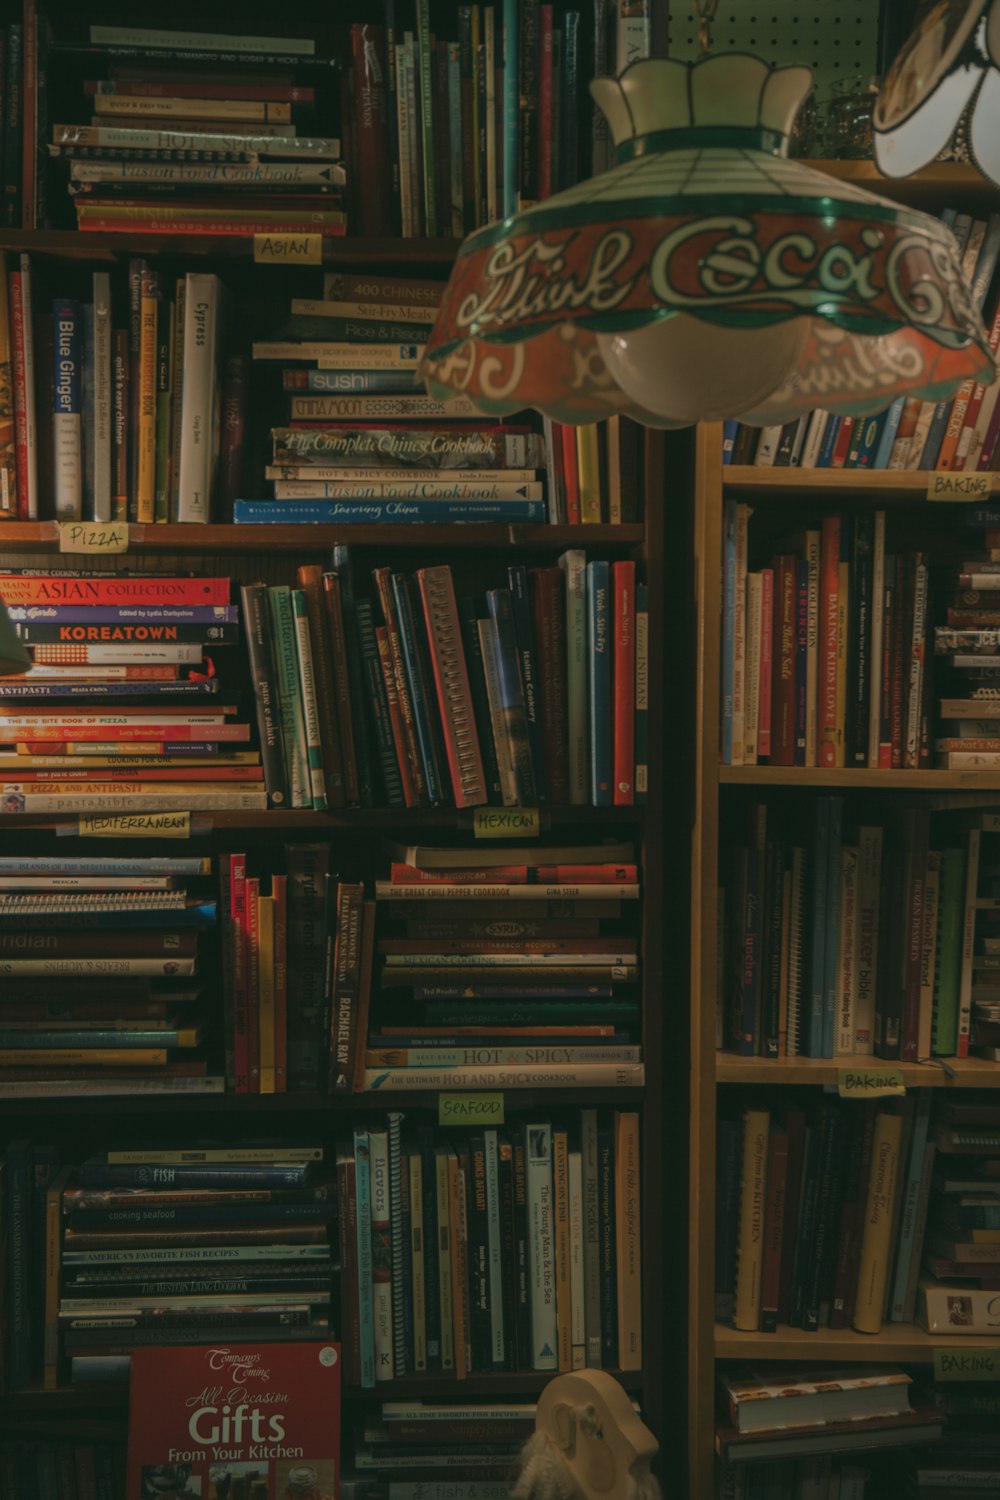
(706, 275)
(944, 85)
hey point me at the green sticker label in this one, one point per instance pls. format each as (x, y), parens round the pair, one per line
(506, 823)
(967, 1364)
(161, 825)
(869, 1083)
(470, 1109)
(959, 486)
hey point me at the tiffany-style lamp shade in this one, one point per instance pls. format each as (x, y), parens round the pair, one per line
(706, 275)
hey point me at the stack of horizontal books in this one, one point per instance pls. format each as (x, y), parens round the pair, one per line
(186, 131)
(512, 974)
(958, 1295)
(441, 1442)
(100, 958)
(967, 648)
(63, 1468)
(119, 709)
(163, 1246)
(478, 1251)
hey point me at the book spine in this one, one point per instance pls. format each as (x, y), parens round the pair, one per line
(201, 331)
(289, 697)
(830, 603)
(18, 1259)
(370, 1357)
(371, 128)
(310, 582)
(454, 693)
(458, 1164)
(145, 433)
(591, 1238)
(541, 1263)
(417, 682)
(410, 757)
(99, 416)
(641, 740)
(475, 657)
(624, 599)
(628, 1227)
(514, 717)
(773, 1230)
(424, 49)
(381, 1253)
(444, 1228)
(67, 436)
(574, 573)
(254, 603)
(968, 945)
(607, 1199)
(875, 1252)
(529, 674)
(310, 706)
(561, 1248)
(377, 703)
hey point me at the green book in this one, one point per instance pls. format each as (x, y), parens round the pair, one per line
(286, 661)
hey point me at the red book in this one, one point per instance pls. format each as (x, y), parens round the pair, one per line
(990, 441)
(623, 681)
(238, 969)
(585, 874)
(286, 1402)
(549, 620)
(783, 653)
(253, 982)
(774, 1224)
(829, 597)
(279, 892)
(545, 143)
(371, 129)
(767, 660)
(395, 716)
(401, 874)
(147, 589)
(571, 474)
(843, 444)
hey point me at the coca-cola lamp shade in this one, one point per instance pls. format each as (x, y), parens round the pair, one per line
(706, 275)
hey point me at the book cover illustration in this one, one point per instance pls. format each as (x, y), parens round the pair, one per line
(213, 1421)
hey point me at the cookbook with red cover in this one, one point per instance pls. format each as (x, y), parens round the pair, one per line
(235, 1422)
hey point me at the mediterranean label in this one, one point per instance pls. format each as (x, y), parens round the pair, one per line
(288, 249)
(959, 486)
(161, 825)
(93, 536)
(869, 1083)
(506, 823)
(967, 1364)
(470, 1109)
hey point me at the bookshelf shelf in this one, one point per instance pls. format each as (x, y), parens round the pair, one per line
(359, 819)
(902, 1341)
(343, 250)
(43, 536)
(311, 1104)
(887, 487)
(940, 781)
(928, 184)
(961, 1073)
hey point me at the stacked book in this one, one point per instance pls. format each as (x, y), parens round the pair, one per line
(824, 648)
(414, 692)
(480, 1251)
(515, 973)
(298, 933)
(72, 1469)
(876, 935)
(101, 965)
(201, 134)
(958, 1294)
(119, 709)
(960, 435)
(109, 398)
(463, 1446)
(163, 1246)
(967, 647)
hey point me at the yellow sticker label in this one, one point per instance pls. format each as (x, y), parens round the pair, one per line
(959, 486)
(470, 1109)
(288, 249)
(506, 823)
(869, 1083)
(93, 536)
(967, 1364)
(160, 825)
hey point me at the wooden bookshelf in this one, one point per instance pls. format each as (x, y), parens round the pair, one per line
(895, 1341)
(43, 536)
(360, 819)
(319, 1106)
(948, 1073)
(858, 778)
(879, 486)
(338, 250)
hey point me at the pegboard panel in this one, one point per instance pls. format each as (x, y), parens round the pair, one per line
(836, 38)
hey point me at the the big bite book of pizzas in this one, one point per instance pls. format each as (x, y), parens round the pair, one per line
(235, 1422)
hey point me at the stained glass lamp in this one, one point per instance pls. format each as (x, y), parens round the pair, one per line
(943, 89)
(706, 275)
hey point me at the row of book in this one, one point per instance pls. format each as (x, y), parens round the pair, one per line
(875, 938)
(958, 435)
(103, 962)
(495, 1250)
(539, 696)
(75, 1470)
(843, 1215)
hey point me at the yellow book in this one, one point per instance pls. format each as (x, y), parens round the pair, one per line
(145, 500)
(843, 616)
(560, 1215)
(753, 1186)
(876, 1231)
(588, 464)
(628, 1222)
(265, 992)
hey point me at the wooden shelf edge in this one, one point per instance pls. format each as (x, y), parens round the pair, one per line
(43, 536)
(857, 777)
(894, 1341)
(318, 1104)
(343, 249)
(784, 484)
(358, 819)
(960, 1073)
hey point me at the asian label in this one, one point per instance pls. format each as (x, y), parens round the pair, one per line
(506, 823)
(967, 1364)
(959, 486)
(470, 1109)
(160, 825)
(288, 249)
(93, 536)
(869, 1083)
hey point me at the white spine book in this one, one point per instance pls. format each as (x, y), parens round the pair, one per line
(495, 1244)
(67, 425)
(102, 397)
(767, 446)
(541, 1248)
(813, 442)
(577, 1273)
(30, 415)
(848, 953)
(199, 397)
(868, 888)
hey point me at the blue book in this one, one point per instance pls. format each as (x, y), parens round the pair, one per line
(95, 1173)
(871, 436)
(817, 947)
(378, 705)
(524, 634)
(366, 1281)
(371, 512)
(501, 613)
(831, 945)
(67, 397)
(888, 435)
(829, 443)
(599, 681)
(728, 616)
(25, 691)
(729, 431)
(363, 751)
(421, 689)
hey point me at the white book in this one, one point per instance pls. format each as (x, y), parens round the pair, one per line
(743, 513)
(632, 34)
(495, 1248)
(418, 1261)
(30, 416)
(878, 627)
(200, 397)
(753, 627)
(577, 1274)
(541, 1247)
(767, 446)
(381, 1268)
(932, 896)
(67, 423)
(101, 415)
(573, 564)
(420, 489)
(812, 546)
(391, 477)
(123, 653)
(813, 442)
(847, 958)
(868, 895)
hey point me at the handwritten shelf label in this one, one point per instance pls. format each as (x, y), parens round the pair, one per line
(93, 536)
(869, 1083)
(506, 823)
(160, 825)
(959, 486)
(967, 1364)
(470, 1109)
(288, 249)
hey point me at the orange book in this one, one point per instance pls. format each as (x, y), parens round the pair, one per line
(829, 581)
